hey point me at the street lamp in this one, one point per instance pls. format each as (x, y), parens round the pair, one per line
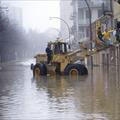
(90, 23)
(65, 23)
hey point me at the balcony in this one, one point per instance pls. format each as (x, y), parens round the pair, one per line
(82, 4)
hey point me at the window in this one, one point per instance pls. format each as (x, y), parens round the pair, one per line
(81, 14)
(87, 14)
(100, 12)
(81, 29)
(81, 32)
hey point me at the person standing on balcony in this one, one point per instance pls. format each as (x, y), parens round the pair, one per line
(107, 37)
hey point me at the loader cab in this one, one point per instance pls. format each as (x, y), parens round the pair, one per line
(60, 47)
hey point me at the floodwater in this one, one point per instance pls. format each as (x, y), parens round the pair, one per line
(92, 97)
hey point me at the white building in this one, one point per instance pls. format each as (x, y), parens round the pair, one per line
(66, 23)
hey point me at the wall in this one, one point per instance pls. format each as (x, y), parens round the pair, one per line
(109, 57)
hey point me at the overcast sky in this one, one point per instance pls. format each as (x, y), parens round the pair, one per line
(36, 13)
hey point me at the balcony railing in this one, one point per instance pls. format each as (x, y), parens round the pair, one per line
(82, 4)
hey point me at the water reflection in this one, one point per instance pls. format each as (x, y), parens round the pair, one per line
(91, 97)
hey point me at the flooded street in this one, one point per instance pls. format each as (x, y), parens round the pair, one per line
(92, 97)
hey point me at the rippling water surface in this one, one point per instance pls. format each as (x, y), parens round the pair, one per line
(92, 97)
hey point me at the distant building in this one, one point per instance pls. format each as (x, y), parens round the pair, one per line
(65, 13)
(14, 14)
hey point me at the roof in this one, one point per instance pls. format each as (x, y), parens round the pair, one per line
(57, 41)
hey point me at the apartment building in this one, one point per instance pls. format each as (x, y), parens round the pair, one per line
(66, 23)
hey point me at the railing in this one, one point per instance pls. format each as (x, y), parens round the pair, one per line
(82, 4)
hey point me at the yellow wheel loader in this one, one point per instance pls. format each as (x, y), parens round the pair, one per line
(63, 61)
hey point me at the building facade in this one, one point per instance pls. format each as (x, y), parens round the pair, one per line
(65, 13)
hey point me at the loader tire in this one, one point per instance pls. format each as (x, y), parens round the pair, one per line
(75, 69)
(84, 70)
(32, 66)
(39, 69)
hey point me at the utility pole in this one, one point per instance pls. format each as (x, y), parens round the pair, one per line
(111, 9)
(90, 20)
(90, 27)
